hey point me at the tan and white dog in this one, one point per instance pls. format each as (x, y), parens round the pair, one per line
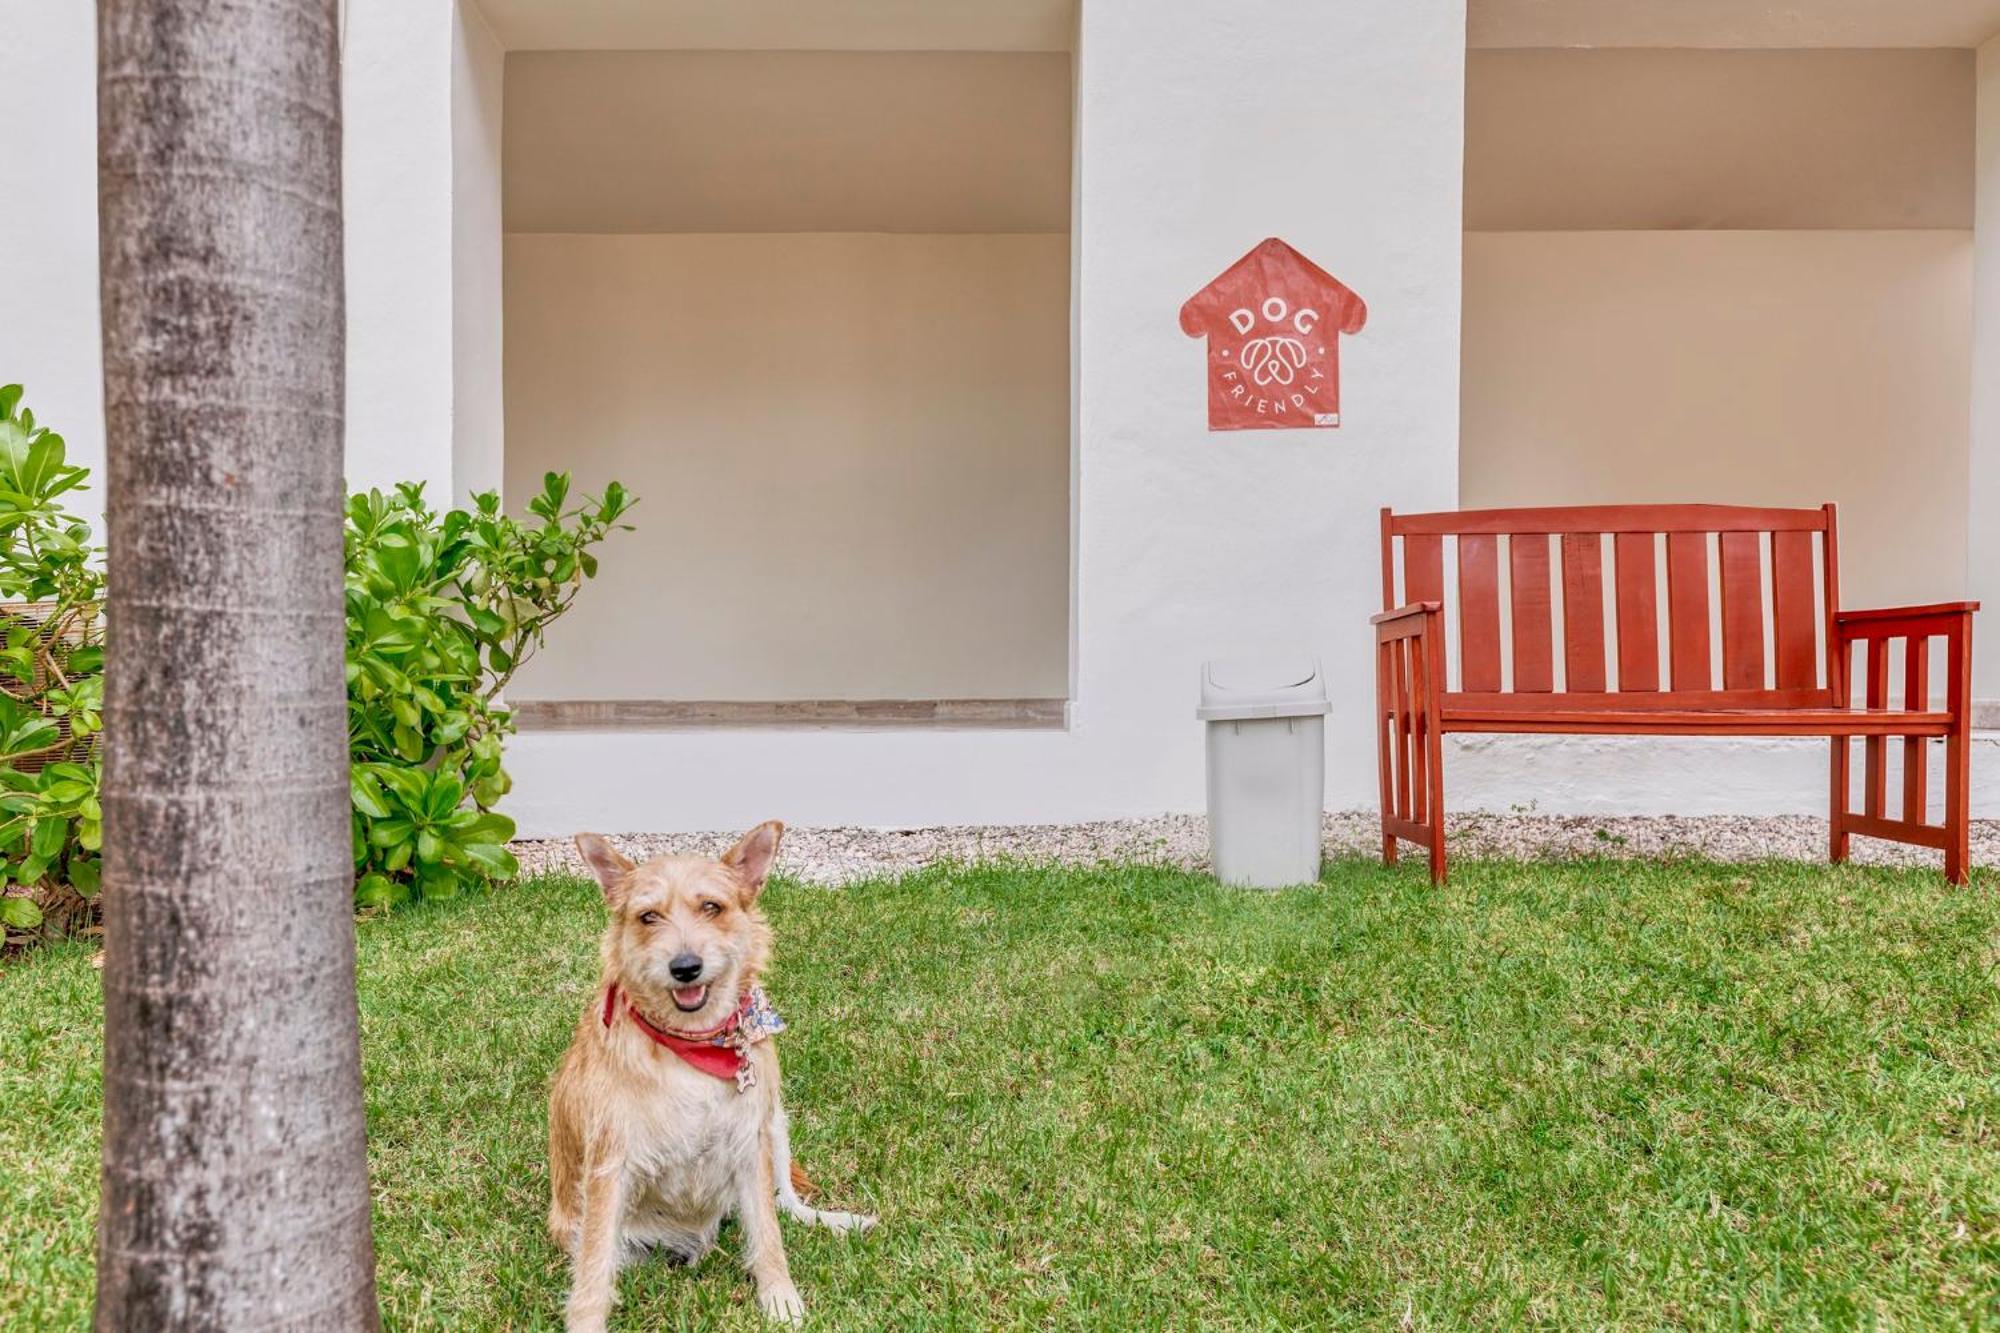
(665, 1115)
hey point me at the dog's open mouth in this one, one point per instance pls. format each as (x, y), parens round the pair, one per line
(687, 999)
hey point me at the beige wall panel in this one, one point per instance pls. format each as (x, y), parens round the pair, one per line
(1773, 367)
(756, 141)
(792, 25)
(852, 450)
(1583, 140)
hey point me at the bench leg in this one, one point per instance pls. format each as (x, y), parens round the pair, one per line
(1836, 810)
(1410, 747)
(1434, 806)
(1957, 807)
(1958, 755)
(1388, 740)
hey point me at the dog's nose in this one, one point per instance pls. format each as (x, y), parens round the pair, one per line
(685, 967)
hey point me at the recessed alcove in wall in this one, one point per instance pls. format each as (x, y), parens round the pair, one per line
(813, 307)
(1726, 275)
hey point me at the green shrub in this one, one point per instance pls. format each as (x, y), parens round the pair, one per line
(51, 673)
(442, 609)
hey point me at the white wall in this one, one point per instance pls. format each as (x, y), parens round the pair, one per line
(1983, 485)
(1190, 543)
(478, 437)
(48, 233)
(396, 86)
(852, 454)
(1194, 543)
(398, 203)
(1752, 367)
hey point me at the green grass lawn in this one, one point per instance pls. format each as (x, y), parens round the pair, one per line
(1579, 1096)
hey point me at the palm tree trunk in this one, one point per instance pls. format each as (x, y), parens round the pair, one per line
(235, 1185)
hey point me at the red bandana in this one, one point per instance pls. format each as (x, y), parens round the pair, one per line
(701, 1049)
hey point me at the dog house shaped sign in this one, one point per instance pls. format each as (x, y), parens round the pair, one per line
(1273, 321)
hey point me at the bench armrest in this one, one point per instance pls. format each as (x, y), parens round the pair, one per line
(1903, 622)
(1406, 612)
(1933, 611)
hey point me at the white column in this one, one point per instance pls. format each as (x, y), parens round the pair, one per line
(48, 232)
(1203, 129)
(1983, 490)
(415, 78)
(476, 67)
(397, 84)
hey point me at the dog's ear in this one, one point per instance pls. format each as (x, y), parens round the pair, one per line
(604, 861)
(752, 856)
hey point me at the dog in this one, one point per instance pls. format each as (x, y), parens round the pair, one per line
(665, 1115)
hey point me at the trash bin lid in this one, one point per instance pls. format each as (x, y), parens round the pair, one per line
(1235, 688)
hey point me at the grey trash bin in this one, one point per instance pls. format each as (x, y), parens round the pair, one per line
(1266, 722)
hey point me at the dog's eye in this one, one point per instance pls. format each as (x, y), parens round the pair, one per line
(711, 908)
(649, 918)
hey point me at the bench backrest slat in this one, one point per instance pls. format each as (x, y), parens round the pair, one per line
(1583, 610)
(1687, 609)
(1479, 610)
(1423, 568)
(1528, 590)
(1792, 618)
(1638, 620)
(1540, 575)
(1742, 610)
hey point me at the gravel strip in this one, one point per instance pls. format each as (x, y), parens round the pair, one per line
(834, 856)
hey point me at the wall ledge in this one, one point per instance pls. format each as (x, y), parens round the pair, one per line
(788, 714)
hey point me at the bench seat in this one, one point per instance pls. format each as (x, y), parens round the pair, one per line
(1700, 721)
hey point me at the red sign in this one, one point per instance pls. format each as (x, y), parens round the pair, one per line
(1273, 321)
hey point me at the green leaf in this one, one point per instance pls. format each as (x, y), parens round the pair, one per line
(20, 913)
(410, 785)
(445, 794)
(367, 795)
(84, 875)
(374, 890)
(473, 828)
(48, 838)
(498, 861)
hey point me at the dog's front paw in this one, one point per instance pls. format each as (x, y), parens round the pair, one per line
(782, 1303)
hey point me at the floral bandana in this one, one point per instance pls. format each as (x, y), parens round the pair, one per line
(722, 1051)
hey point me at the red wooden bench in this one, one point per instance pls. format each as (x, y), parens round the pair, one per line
(1599, 620)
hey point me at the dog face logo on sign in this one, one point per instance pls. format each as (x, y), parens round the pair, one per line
(1273, 321)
